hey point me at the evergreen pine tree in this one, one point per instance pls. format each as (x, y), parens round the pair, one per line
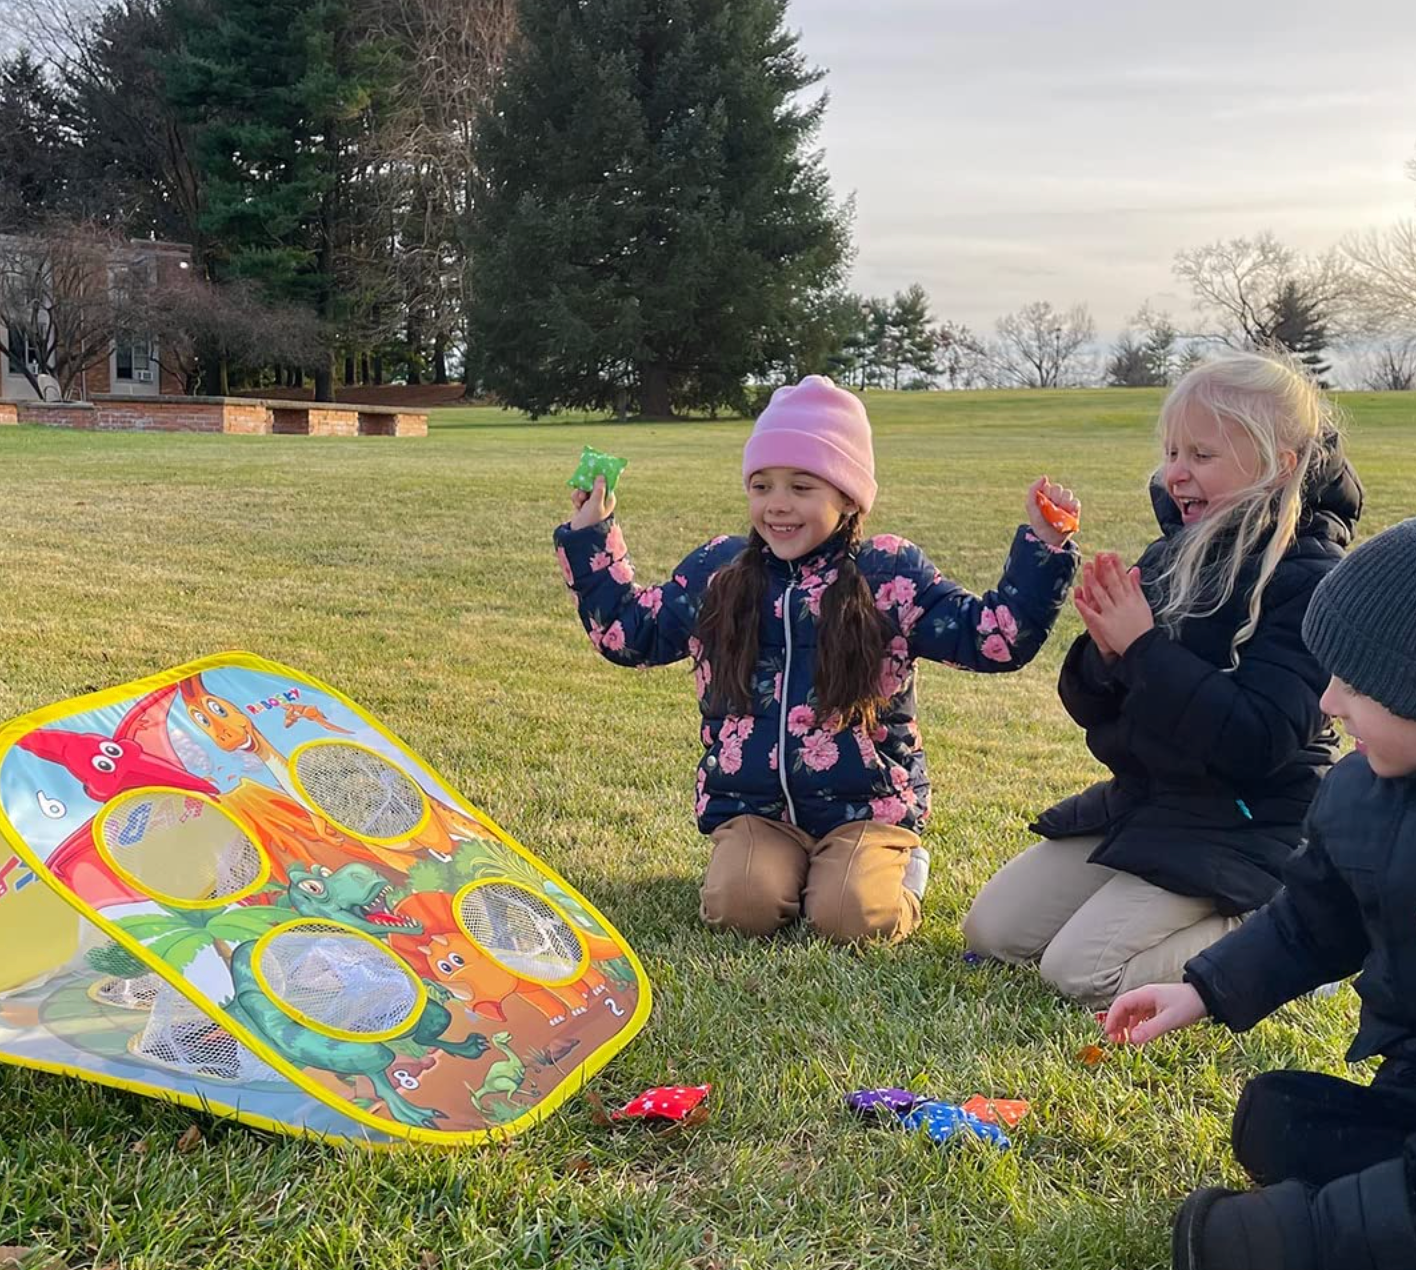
(1296, 322)
(652, 222)
(275, 91)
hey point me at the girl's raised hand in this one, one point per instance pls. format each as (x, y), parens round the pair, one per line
(1086, 605)
(591, 508)
(1063, 499)
(1112, 603)
(1143, 1014)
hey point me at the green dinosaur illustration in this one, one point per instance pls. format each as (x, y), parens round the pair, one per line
(503, 1078)
(354, 894)
(298, 1044)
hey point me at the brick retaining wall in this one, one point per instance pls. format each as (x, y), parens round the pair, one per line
(243, 415)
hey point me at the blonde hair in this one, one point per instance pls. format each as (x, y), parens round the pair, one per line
(1272, 402)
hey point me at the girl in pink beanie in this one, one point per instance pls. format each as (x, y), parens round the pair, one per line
(803, 637)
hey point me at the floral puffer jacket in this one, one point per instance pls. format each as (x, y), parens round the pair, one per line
(779, 760)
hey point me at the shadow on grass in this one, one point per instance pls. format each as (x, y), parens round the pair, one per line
(648, 911)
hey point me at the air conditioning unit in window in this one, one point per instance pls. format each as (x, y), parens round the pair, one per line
(142, 376)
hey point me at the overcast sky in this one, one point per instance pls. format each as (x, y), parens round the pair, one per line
(1002, 151)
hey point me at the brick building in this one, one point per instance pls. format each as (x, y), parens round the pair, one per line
(133, 365)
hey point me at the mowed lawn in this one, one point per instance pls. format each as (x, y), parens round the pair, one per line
(418, 576)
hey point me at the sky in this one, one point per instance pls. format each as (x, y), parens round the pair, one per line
(1004, 151)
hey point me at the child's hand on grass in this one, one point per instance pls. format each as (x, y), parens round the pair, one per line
(1143, 1014)
(1062, 498)
(591, 508)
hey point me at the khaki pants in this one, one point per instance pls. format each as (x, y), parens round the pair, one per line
(1094, 931)
(765, 874)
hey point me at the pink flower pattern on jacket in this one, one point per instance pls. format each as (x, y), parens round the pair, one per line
(813, 586)
(890, 811)
(819, 751)
(702, 671)
(800, 720)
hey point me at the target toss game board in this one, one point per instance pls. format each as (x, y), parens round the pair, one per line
(229, 886)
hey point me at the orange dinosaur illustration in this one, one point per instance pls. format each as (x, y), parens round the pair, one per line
(484, 985)
(227, 725)
(444, 954)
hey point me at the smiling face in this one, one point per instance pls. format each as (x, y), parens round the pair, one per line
(107, 766)
(1387, 740)
(220, 719)
(794, 511)
(1207, 462)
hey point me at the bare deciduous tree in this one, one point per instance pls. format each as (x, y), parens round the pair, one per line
(963, 357)
(1385, 285)
(1385, 265)
(1042, 347)
(1389, 366)
(451, 58)
(186, 314)
(1237, 285)
(56, 300)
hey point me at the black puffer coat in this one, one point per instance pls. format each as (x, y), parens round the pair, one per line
(1213, 770)
(1346, 906)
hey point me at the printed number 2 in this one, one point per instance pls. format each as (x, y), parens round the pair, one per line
(51, 807)
(614, 1007)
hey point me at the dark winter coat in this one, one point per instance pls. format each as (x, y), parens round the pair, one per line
(1213, 769)
(1347, 904)
(778, 760)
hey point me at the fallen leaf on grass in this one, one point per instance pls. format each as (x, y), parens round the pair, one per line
(1091, 1055)
(429, 1261)
(140, 1147)
(698, 1116)
(598, 1115)
(578, 1166)
(190, 1140)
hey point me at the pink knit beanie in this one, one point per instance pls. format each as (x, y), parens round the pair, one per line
(817, 428)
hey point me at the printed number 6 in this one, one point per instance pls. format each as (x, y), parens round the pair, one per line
(51, 807)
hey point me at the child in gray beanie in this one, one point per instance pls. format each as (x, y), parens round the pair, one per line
(1335, 1161)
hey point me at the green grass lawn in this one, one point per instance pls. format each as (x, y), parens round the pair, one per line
(417, 576)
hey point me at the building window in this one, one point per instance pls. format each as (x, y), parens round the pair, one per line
(20, 351)
(133, 353)
(135, 361)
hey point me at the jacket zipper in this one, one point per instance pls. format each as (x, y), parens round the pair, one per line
(786, 686)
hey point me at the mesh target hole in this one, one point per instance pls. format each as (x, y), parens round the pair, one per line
(360, 791)
(521, 931)
(180, 848)
(338, 981)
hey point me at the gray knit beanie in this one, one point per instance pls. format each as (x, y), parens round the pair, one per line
(1361, 621)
